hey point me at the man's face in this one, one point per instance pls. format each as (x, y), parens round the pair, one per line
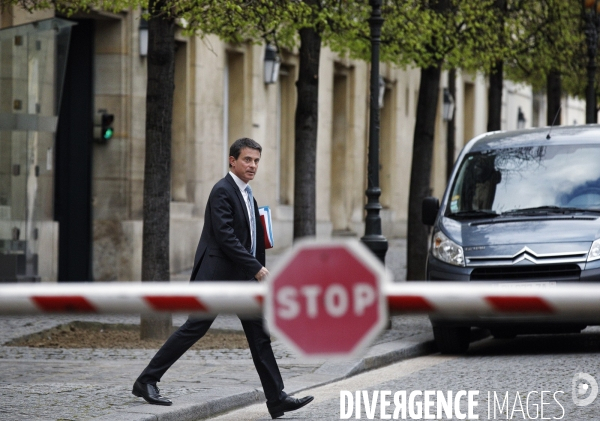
(246, 165)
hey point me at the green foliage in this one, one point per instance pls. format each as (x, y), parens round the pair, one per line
(547, 35)
(233, 20)
(70, 7)
(530, 37)
(240, 21)
(421, 33)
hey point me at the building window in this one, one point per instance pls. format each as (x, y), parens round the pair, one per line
(233, 101)
(387, 150)
(179, 131)
(286, 106)
(469, 112)
(343, 188)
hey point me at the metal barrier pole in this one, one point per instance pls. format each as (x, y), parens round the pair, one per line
(245, 298)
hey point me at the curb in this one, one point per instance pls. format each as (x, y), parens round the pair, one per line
(192, 407)
(200, 406)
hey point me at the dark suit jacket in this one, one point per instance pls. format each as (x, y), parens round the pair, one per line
(224, 250)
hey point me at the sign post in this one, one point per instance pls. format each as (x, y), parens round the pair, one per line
(326, 299)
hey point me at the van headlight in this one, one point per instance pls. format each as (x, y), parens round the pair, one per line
(447, 250)
(594, 253)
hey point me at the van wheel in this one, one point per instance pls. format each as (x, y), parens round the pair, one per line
(452, 339)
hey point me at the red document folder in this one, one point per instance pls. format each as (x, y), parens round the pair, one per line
(265, 218)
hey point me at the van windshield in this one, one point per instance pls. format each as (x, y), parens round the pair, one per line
(554, 178)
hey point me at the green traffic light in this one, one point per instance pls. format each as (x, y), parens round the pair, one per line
(108, 133)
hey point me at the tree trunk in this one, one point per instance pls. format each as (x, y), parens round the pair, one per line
(495, 97)
(496, 79)
(420, 174)
(157, 170)
(554, 93)
(451, 128)
(307, 117)
(591, 32)
(591, 110)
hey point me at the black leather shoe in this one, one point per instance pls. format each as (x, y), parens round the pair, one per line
(289, 404)
(150, 393)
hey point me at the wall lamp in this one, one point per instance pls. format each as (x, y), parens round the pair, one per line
(272, 64)
(448, 105)
(381, 91)
(143, 37)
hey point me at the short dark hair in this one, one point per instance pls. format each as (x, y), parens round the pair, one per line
(245, 142)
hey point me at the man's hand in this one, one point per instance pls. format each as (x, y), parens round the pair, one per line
(262, 274)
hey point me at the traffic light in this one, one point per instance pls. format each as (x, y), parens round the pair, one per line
(103, 129)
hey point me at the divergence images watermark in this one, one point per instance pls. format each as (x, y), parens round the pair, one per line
(464, 404)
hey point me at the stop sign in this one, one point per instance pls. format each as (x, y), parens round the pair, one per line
(325, 298)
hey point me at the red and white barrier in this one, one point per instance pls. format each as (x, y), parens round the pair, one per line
(245, 298)
(481, 299)
(132, 298)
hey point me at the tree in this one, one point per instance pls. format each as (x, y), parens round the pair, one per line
(157, 167)
(539, 46)
(306, 125)
(288, 24)
(497, 73)
(451, 129)
(554, 95)
(233, 21)
(466, 34)
(307, 24)
(159, 107)
(318, 20)
(452, 34)
(431, 35)
(548, 46)
(224, 18)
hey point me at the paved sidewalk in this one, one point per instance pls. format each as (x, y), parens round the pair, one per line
(83, 384)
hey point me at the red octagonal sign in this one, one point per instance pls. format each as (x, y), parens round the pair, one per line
(325, 298)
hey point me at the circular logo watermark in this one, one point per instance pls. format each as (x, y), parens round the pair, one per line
(585, 389)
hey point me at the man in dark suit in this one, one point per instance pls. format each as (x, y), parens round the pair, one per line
(231, 247)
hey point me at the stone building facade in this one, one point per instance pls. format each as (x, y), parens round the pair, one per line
(220, 95)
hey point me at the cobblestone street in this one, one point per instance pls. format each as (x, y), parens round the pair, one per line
(81, 384)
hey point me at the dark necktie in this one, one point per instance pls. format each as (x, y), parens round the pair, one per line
(252, 220)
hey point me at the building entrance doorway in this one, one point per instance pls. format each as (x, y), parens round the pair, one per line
(72, 193)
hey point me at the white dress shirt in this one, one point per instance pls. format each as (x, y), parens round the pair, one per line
(242, 186)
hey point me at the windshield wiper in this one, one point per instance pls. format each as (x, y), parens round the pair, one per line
(474, 214)
(547, 210)
(538, 209)
(567, 210)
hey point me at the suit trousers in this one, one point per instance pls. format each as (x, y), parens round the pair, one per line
(194, 329)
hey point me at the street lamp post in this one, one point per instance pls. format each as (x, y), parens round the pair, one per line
(373, 237)
(590, 9)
